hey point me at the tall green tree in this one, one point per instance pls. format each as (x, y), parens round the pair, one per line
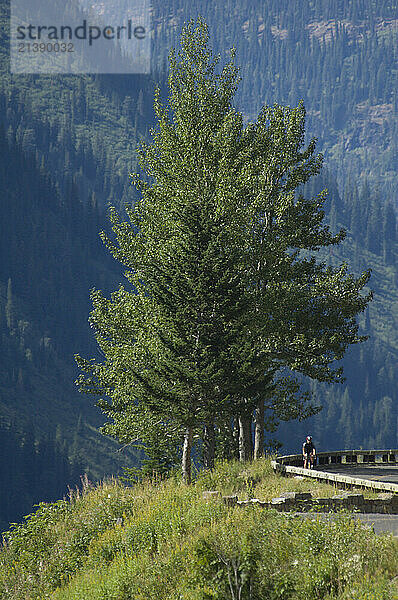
(222, 298)
(183, 258)
(303, 313)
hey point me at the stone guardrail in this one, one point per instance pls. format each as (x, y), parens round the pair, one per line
(289, 465)
(345, 457)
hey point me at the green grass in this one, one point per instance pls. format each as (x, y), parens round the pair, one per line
(162, 540)
(258, 480)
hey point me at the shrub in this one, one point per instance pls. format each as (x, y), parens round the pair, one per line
(103, 549)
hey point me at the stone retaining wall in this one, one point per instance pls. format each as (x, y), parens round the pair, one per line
(385, 503)
(304, 502)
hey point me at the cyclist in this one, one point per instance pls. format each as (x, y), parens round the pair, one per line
(308, 453)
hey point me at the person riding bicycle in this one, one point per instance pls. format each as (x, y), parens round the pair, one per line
(309, 453)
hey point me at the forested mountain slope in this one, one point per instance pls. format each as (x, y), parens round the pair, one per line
(67, 146)
(362, 411)
(340, 57)
(50, 257)
(34, 467)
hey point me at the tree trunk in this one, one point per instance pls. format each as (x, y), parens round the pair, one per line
(186, 456)
(235, 438)
(245, 438)
(209, 445)
(259, 431)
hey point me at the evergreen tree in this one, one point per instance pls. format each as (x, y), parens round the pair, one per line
(302, 313)
(222, 296)
(9, 308)
(183, 253)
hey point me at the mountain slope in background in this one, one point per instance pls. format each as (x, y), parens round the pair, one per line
(51, 257)
(339, 57)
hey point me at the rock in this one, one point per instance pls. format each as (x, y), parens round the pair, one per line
(389, 498)
(258, 502)
(350, 498)
(296, 496)
(323, 504)
(278, 501)
(230, 500)
(369, 506)
(211, 495)
(338, 500)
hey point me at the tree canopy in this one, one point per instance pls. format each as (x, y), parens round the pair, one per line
(225, 293)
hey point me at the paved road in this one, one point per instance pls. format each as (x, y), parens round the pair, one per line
(386, 473)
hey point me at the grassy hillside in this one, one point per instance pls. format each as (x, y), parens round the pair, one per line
(162, 540)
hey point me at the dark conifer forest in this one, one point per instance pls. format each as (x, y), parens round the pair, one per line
(67, 146)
